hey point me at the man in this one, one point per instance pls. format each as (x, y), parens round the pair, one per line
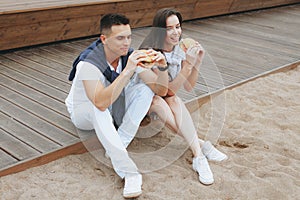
(105, 97)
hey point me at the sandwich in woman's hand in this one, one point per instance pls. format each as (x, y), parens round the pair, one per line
(186, 43)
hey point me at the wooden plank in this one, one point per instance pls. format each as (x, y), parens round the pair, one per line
(26, 134)
(273, 18)
(27, 5)
(53, 57)
(184, 95)
(26, 67)
(34, 96)
(75, 148)
(294, 10)
(41, 87)
(39, 71)
(284, 16)
(216, 78)
(60, 24)
(243, 54)
(219, 7)
(203, 86)
(38, 125)
(6, 159)
(221, 55)
(55, 50)
(69, 50)
(15, 147)
(226, 63)
(43, 32)
(236, 35)
(249, 29)
(43, 113)
(80, 44)
(46, 4)
(56, 23)
(38, 58)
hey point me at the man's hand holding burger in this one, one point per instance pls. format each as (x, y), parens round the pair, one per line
(157, 78)
(141, 60)
(152, 58)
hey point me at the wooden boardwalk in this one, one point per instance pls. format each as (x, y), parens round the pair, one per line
(32, 22)
(35, 126)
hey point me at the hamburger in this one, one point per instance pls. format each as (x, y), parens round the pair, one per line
(149, 60)
(186, 43)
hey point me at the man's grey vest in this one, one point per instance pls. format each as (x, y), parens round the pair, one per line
(95, 55)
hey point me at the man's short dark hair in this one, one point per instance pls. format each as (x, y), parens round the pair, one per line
(108, 20)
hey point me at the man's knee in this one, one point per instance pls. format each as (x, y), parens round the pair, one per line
(140, 93)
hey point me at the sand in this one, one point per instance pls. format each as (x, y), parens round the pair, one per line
(260, 132)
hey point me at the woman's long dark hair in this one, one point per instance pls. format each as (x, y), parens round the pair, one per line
(156, 38)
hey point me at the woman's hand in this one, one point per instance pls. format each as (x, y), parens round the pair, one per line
(194, 55)
(200, 56)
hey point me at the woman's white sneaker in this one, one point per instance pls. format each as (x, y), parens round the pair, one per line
(201, 166)
(211, 153)
(133, 186)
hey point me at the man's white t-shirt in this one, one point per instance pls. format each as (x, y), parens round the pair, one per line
(85, 71)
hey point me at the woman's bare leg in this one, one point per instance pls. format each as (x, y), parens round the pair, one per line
(162, 109)
(185, 124)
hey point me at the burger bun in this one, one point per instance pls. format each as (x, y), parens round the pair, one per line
(186, 43)
(148, 62)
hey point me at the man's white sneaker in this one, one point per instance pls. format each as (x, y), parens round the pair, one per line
(201, 166)
(211, 153)
(133, 186)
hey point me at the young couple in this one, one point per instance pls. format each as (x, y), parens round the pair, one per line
(105, 97)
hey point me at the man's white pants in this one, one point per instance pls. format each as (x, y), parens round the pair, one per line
(138, 99)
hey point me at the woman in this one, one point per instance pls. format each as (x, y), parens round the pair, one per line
(183, 70)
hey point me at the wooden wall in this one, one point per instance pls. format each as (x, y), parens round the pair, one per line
(55, 23)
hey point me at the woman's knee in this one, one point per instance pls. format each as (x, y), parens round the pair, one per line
(173, 100)
(159, 103)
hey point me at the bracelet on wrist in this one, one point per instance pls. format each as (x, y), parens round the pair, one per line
(163, 68)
